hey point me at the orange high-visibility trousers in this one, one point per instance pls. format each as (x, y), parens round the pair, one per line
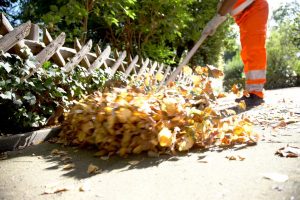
(253, 27)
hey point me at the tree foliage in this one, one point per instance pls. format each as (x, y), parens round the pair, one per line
(160, 29)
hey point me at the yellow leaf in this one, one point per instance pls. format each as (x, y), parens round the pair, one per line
(159, 76)
(238, 130)
(165, 137)
(186, 143)
(187, 71)
(242, 105)
(196, 80)
(123, 114)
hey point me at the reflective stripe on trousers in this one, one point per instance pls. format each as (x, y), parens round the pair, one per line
(253, 27)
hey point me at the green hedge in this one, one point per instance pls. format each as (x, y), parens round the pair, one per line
(233, 71)
(27, 105)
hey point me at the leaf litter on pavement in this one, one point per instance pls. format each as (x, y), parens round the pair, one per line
(156, 120)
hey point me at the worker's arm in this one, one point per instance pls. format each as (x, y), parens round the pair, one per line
(219, 18)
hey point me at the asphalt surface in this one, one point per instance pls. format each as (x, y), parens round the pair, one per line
(34, 171)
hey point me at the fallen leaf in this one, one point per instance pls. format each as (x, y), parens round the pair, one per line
(235, 89)
(231, 157)
(278, 188)
(58, 152)
(242, 105)
(159, 76)
(216, 73)
(55, 190)
(246, 93)
(288, 152)
(221, 95)
(66, 159)
(187, 71)
(68, 166)
(134, 162)
(93, 169)
(281, 124)
(85, 186)
(104, 157)
(165, 137)
(234, 157)
(54, 151)
(281, 178)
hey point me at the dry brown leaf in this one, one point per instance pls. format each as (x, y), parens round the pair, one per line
(221, 95)
(235, 157)
(246, 93)
(216, 73)
(134, 162)
(235, 89)
(58, 152)
(242, 105)
(281, 124)
(85, 186)
(289, 152)
(55, 190)
(68, 166)
(93, 169)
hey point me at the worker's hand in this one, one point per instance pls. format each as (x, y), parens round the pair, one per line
(213, 24)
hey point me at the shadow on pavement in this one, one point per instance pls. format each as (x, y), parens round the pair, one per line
(82, 158)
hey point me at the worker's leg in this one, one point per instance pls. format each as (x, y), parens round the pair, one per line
(253, 27)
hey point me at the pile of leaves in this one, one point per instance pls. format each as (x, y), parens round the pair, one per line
(173, 118)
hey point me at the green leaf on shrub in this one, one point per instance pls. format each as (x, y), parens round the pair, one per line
(61, 90)
(18, 102)
(6, 95)
(6, 66)
(30, 98)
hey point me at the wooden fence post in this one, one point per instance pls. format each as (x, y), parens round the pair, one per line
(100, 59)
(85, 62)
(115, 67)
(165, 76)
(12, 38)
(153, 68)
(6, 27)
(34, 33)
(47, 53)
(145, 64)
(57, 57)
(131, 66)
(78, 57)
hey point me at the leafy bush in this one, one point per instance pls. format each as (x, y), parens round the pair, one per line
(282, 59)
(26, 105)
(234, 73)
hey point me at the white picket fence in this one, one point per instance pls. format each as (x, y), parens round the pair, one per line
(13, 40)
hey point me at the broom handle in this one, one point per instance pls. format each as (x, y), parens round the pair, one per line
(186, 59)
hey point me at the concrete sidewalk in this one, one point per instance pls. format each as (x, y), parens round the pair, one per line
(196, 175)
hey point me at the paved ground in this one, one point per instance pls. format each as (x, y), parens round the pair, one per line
(196, 175)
